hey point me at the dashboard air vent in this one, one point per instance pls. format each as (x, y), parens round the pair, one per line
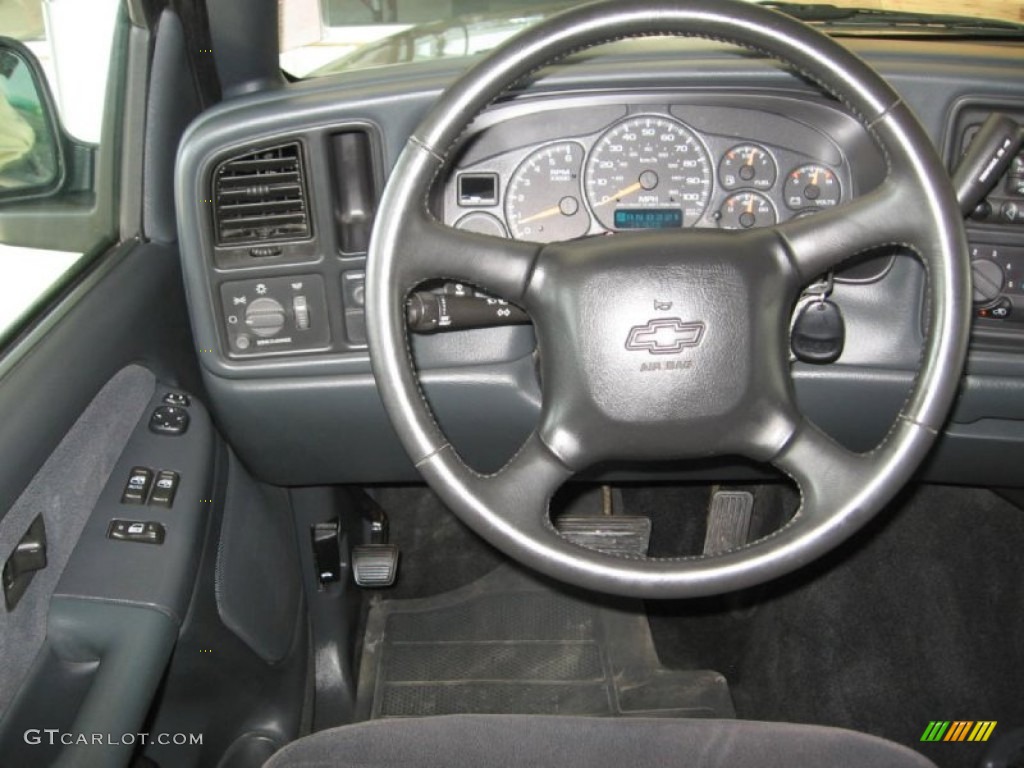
(261, 197)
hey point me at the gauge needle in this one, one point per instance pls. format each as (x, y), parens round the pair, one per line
(750, 205)
(542, 215)
(621, 193)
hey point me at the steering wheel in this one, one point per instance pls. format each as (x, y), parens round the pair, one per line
(732, 294)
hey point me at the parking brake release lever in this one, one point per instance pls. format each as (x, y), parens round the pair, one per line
(428, 312)
(990, 152)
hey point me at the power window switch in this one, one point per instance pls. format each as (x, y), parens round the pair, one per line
(137, 531)
(169, 420)
(300, 307)
(136, 490)
(164, 488)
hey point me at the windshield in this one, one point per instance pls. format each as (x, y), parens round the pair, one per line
(322, 37)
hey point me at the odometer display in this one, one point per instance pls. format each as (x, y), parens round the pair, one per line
(650, 163)
(648, 218)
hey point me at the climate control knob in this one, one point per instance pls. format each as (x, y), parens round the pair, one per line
(987, 278)
(265, 317)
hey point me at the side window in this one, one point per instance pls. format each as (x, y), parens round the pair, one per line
(56, 199)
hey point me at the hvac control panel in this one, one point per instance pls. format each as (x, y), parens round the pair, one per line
(269, 315)
(996, 279)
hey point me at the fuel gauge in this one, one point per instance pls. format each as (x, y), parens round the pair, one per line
(746, 210)
(747, 165)
(811, 186)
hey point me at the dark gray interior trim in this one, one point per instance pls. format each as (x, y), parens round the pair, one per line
(160, 577)
(171, 106)
(64, 492)
(108, 660)
(94, 332)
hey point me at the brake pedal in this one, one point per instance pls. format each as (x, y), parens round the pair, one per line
(375, 565)
(611, 534)
(728, 521)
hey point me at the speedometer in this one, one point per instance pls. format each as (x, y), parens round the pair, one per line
(648, 171)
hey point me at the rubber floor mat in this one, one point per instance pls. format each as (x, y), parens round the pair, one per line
(512, 643)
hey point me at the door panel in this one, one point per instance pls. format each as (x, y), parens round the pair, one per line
(64, 492)
(76, 394)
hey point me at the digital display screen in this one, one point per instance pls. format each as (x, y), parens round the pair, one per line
(478, 189)
(648, 218)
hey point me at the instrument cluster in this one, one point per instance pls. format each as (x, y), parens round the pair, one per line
(648, 170)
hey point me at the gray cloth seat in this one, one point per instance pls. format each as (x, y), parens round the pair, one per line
(502, 741)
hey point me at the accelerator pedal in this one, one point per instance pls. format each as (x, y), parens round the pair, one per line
(728, 521)
(611, 534)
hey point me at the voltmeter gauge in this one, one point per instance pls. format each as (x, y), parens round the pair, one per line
(746, 210)
(811, 186)
(747, 165)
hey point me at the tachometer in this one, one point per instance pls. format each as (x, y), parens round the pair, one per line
(648, 171)
(543, 198)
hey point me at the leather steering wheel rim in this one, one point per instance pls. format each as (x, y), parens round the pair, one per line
(752, 413)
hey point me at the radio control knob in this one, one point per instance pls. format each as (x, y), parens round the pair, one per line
(987, 278)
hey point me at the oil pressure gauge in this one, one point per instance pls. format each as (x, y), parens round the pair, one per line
(811, 186)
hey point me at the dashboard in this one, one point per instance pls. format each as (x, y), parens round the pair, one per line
(598, 166)
(277, 194)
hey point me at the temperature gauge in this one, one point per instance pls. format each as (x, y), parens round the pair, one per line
(747, 165)
(746, 210)
(811, 186)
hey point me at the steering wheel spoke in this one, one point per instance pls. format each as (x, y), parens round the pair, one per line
(512, 504)
(826, 472)
(822, 241)
(496, 265)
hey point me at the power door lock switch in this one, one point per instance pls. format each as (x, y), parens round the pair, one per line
(178, 398)
(136, 530)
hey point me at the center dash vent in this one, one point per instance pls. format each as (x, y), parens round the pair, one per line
(261, 197)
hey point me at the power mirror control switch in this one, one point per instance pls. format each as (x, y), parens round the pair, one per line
(136, 490)
(169, 420)
(164, 488)
(178, 398)
(136, 530)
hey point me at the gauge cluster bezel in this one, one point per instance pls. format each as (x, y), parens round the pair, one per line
(794, 130)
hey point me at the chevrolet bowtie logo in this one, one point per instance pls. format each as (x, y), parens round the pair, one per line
(665, 336)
